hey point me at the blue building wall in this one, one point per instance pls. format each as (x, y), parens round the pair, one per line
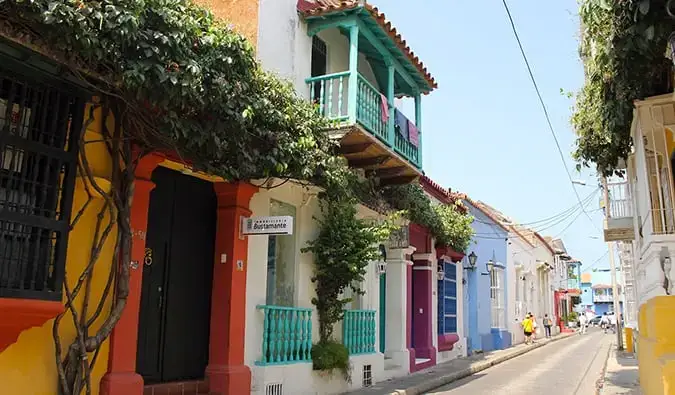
(602, 276)
(490, 239)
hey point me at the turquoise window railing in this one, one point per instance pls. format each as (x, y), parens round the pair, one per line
(287, 335)
(358, 331)
(331, 93)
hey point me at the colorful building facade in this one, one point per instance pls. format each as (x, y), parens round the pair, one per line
(486, 289)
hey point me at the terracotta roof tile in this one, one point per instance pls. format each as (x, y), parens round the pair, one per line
(320, 7)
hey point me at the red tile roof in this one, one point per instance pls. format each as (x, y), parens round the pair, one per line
(321, 7)
(443, 195)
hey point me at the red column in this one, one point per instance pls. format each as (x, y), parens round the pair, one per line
(226, 371)
(122, 378)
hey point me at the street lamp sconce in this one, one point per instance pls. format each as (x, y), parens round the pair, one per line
(381, 267)
(489, 266)
(472, 261)
(440, 273)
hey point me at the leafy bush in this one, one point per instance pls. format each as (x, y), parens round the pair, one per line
(622, 45)
(329, 355)
(448, 224)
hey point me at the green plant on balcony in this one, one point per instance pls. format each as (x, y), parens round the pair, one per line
(449, 224)
(623, 47)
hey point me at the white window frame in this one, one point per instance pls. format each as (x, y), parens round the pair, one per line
(497, 297)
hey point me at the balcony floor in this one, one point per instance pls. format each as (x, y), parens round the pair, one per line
(367, 152)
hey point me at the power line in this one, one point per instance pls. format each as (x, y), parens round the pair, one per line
(543, 222)
(586, 202)
(589, 267)
(543, 106)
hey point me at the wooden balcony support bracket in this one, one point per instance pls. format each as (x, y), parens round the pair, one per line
(398, 180)
(350, 149)
(390, 172)
(372, 162)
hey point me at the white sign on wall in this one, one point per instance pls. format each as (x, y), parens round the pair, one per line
(276, 225)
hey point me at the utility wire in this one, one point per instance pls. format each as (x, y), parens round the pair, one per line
(548, 118)
(544, 221)
(587, 200)
(589, 267)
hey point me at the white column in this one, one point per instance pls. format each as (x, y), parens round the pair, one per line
(397, 306)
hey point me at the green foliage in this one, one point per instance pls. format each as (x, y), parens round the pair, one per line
(329, 355)
(342, 251)
(449, 224)
(572, 317)
(186, 83)
(623, 47)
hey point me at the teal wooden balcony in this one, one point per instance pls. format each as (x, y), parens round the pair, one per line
(373, 135)
(287, 335)
(358, 331)
(372, 112)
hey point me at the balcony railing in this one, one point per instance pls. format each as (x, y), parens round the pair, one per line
(331, 93)
(358, 331)
(287, 335)
(603, 298)
(620, 201)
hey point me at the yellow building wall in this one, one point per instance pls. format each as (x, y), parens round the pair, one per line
(28, 367)
(243, 14)
(656, 346)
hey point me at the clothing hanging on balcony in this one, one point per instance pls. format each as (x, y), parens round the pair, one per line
(384, 108)
(413, 134)
(401, 123)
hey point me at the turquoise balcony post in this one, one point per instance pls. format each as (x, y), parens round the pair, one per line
(353, 71)
(390, 102)
(358, 331)
(418, 123)
(287, 335)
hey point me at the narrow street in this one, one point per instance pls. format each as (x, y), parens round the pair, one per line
(567, 367)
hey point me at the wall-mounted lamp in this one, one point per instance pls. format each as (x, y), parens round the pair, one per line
(489, 265)
(382, 264)
(472, 261)
(440, 273)
(381, 267)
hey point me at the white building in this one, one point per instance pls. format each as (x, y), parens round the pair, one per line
(641, 216)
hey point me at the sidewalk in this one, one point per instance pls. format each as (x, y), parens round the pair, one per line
(621, 374)
(445, 373)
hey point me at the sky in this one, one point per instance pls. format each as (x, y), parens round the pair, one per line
(484, 132)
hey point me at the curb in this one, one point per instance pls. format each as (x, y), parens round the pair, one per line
(474, 368)
(600, 383)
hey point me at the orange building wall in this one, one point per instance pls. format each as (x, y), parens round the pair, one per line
(243, 14)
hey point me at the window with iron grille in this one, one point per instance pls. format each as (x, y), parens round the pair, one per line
(367, 376)
(40, 124)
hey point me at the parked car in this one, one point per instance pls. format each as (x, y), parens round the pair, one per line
(595, 321)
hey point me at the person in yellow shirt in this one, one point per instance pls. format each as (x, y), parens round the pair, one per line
(528, 327)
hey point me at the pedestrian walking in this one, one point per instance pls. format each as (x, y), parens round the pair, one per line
(548, 323)
(604, 322)
(534, 327)
(527, 325)
(582, 324)
(612, 322)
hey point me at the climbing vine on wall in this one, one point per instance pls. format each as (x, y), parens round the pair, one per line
(189, 84)
(175, 80)
(623, 47)
(342, 251)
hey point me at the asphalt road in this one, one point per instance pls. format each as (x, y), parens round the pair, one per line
(567, 367)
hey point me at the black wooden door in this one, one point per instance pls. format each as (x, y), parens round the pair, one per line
(173, 338)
